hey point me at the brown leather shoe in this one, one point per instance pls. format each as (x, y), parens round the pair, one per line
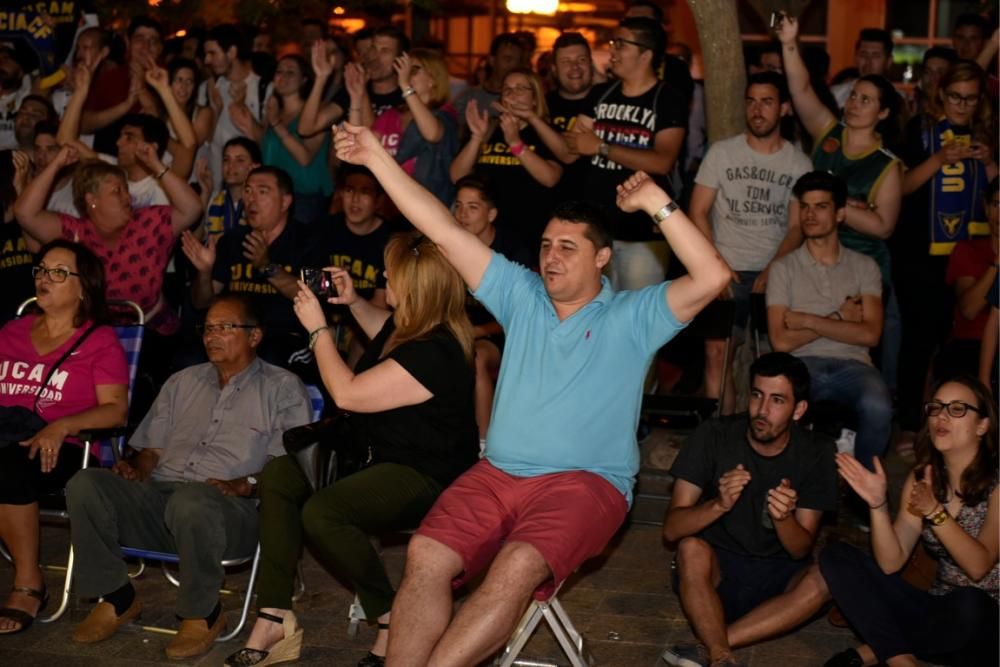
(195, 637)
(102, 622)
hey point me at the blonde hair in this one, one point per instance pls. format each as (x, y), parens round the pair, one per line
(87, 179)
(429, 293)
(541, 108)
(433, 62)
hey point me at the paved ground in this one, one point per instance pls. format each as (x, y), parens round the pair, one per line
(621, 602)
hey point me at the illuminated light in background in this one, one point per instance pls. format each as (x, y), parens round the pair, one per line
(547, 7)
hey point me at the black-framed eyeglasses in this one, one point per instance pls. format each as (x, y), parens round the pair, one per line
(618, 43)
(956, 409)
(55, 275)
(961, 100)
(222, 328)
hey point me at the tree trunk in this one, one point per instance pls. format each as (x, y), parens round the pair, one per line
(725, 72)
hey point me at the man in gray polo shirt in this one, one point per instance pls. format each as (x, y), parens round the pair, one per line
(189, 488)
(824, 305)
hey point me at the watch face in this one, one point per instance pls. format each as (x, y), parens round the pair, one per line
(252, 480)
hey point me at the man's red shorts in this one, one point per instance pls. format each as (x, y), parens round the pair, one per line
(568, 517)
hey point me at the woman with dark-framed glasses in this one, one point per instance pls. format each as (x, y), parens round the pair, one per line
(66, 368)
(949, 503)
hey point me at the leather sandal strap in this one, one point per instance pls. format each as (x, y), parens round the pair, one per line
(37, 594)
(270, 617)
(383, 626)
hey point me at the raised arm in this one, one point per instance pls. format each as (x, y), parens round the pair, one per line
(315, 117)
(382, 387)
(479, 128)
(467, 254)
(356, 81)
(708, 274)
(29, 209)
(184, 148)
(184, 200)
(813, 113)
(431, 127)
(69, 126)
(302, 150)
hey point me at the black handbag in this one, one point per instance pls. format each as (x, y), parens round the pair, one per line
(18, 423)
(327, 450)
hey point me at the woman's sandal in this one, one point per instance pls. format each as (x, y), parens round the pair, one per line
(286, 649)
(20, 615)
(372, 660)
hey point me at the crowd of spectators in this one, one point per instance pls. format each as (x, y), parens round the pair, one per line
(855, 225)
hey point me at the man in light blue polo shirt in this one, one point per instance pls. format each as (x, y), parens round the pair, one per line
(561, 454)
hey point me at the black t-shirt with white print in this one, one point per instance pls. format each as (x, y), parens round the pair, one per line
(632, 122)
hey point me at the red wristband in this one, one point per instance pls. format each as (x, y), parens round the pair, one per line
(517, 149)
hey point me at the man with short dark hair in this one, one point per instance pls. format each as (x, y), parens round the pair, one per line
(118, 90)
(969, 35)
(872, 55)
(189, 488)
(824, 305)
(637, 122)
(506, 53)
(234, 94)
(742, 201)
(261, 260)
(745, 510)
(561, 443)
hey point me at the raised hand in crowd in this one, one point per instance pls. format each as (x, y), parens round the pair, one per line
(478, 121)
(510, 126)
(402, 65)
(201, 255)
(357, 145)
(922, 501)
(272, 111)
(203, 173)
(323, 62)
(871, 487)
(255, 249)
(355, 79)
(582, 140)
(22, 170)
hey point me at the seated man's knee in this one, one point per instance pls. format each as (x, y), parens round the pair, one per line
(694, 555)
(814, 584)
(426, 555)
(85, 485)
(192, 501)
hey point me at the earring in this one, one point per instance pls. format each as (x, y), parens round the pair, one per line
(93, 206)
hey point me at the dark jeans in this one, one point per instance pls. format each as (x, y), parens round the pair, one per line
(338, 521)
(895, 618)
(191, 519)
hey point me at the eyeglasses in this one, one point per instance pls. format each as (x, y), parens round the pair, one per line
(956, 409)
(962, 100)
(222, 328)
(618, 43)
(512, 90)
(55, 275)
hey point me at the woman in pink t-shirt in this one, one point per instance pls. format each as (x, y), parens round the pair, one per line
(87, 389)
(133, 244)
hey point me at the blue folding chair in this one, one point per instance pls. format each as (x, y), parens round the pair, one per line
(130, 337)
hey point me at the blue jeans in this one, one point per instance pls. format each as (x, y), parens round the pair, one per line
(861, 388)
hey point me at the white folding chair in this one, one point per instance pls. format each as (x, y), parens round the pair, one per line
(570, 640)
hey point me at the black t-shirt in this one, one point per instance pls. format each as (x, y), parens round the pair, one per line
(15, 270)
(562, 117)
(632, 122)
(719, 445)
(294, 248)
(523, 202)
(437, 437)
(380, 101)
(362, 256)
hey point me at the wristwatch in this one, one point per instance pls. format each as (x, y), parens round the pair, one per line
(252, 481)
(938, 517)
(665, 212)
(603, 149)
(270, 270)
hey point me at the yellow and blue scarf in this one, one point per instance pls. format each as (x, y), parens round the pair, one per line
(956, 211)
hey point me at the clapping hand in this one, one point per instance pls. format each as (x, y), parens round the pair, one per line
(403, 65)
(355, 79)
(731, 486)
(781, 501)
(478, 122)
(255, 249)
(323, 63)
(922, 501)
(872, 487)
(201, 255)
(355, 144)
